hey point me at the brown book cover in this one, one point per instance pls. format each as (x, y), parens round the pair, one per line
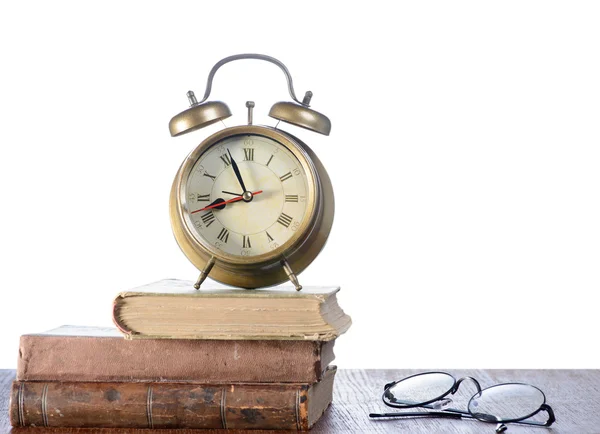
(96, 354)
(170, 405)
(173, 309)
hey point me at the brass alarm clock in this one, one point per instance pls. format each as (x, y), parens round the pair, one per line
(252, 205)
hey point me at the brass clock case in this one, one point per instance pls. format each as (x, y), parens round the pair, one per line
(266, 269)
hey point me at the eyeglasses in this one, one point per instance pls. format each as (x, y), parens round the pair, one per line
(500, 404)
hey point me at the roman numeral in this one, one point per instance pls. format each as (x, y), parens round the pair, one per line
(284, 220)
(223, 235)
(208, 218)
(270, 237)
(206, 197)
(286, 176)
(226, 159)
(248, 154)
(210, 176)
(291, 198)
(269, 160)
(247, 244)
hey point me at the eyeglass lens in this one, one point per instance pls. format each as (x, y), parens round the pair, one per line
(420, 389)
(506, 402)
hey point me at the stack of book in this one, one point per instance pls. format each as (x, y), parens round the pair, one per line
(190, 359)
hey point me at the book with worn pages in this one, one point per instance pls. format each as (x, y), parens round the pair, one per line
(96, 354)
(173, 309)
(284, 406)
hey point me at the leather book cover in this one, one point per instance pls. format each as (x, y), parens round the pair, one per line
(281, 406)
(95, 354)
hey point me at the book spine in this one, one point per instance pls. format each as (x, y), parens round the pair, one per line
(127, 332)
(156, 405)
(108, 359)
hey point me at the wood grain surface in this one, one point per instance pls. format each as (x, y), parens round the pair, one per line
(573, 394)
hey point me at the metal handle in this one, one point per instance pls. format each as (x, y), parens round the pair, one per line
(222, 62)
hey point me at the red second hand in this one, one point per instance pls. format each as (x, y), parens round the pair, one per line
(235, 199)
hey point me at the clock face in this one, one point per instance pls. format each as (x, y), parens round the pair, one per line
(248, 221)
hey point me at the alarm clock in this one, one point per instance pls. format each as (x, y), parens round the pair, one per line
(251, 206)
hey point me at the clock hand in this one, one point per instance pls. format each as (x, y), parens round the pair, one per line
(220, 203)
(237, 171)
(235, 194)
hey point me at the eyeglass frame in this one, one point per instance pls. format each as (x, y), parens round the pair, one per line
(458, 414)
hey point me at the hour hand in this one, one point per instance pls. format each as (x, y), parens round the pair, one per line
(218, 203)
(236, 170)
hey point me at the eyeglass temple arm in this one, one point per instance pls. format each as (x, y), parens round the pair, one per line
(389, 385)
(550, 421)
(417, 414)
(551, 418)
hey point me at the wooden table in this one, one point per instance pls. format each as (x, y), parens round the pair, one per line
(573, 394)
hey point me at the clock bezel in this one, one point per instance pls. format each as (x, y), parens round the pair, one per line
(282, 139)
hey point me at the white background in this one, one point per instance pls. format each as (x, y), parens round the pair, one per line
(464, 155)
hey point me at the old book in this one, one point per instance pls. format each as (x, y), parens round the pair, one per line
(73, 353)
(170, 405)
(173, 309)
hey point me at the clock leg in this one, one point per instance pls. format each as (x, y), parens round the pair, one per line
(204, 273)
(291, 275)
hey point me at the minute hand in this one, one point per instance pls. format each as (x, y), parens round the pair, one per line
(237, 172)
